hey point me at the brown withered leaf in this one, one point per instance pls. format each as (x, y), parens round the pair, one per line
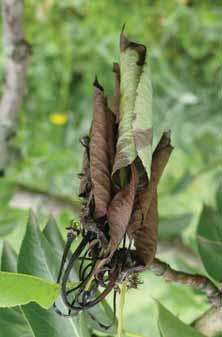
(99, 153)
(112, 129)
(144, 232)
(120, 209)
(160, 158)
(145, 237)
(116, 94)
(136, 219)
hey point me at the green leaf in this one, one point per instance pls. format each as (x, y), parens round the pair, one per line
(130, 72)
(8, 222)
(18, 289)
(135, 120)
(9, 258)
(54, 245)
(35, 258)
(219, 199)
(209, 238)
(12, 320)
(171, 326)
(13, 323)
(142, 124)
(183, 182)
(172, 227)
(53, 235)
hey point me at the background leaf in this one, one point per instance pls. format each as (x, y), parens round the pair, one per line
(171, 326)
(53, 235)
(173, 226)
(209, 238)
(7, 223)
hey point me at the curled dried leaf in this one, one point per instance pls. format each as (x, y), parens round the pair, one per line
(138, 47)
(135, 113)
(120, 210)
(160, 158)
(145, 237)
(99, 153)
(143, 226)
(111, 136)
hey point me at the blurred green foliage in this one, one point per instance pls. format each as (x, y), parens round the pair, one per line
(74, 40)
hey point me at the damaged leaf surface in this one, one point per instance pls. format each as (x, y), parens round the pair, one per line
(99, 154)
(120, 210)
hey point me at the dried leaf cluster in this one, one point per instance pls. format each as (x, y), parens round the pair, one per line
(118, 183)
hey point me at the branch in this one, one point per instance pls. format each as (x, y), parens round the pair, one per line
(210, 323)
(200, 282)
(17, 56)
(26, 197)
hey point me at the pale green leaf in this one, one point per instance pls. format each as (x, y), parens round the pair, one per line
(130, 73)
(135, 120)
(142, 124)
(12, 320)
(19, 289)
(8, 259)
(171, 326)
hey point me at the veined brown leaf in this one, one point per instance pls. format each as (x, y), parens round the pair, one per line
(160, 158)
(99, 153)
(120, 210)
(143, 226)
(145, 238)
(111, 136)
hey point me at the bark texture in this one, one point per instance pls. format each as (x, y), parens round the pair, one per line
(17, 52)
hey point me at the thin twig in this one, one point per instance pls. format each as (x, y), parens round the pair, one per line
(200, 282)
(17, 56)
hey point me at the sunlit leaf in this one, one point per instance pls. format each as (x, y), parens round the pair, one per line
(19, 289)
(171, 326)
(12, 320)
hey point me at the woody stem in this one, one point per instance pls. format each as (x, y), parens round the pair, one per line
(200, 282)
